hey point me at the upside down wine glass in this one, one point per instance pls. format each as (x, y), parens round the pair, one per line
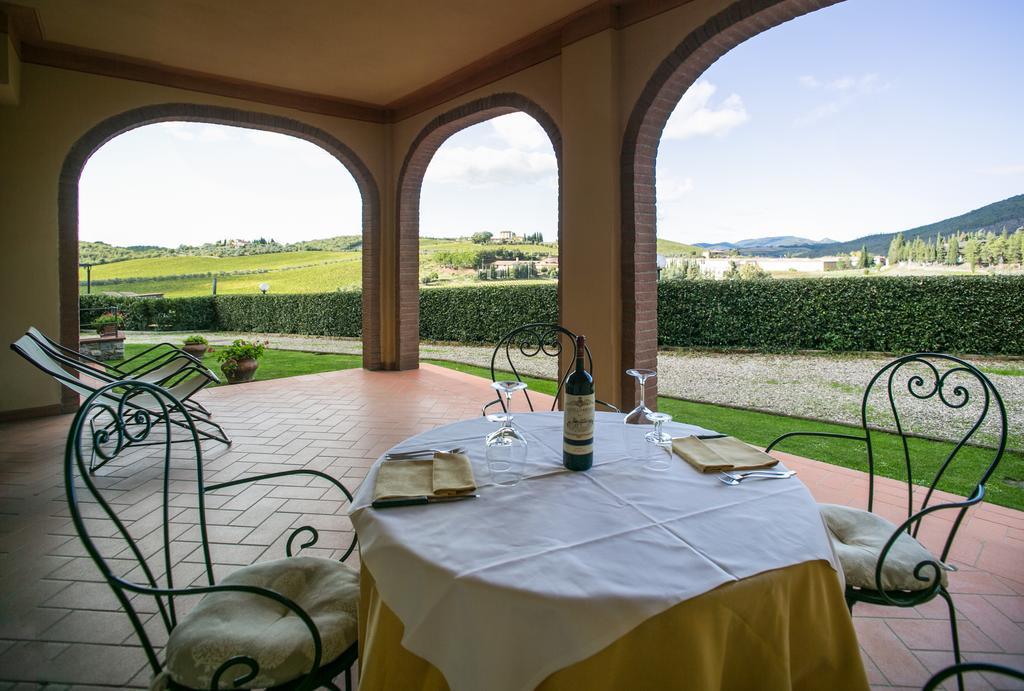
(506, 446)
(659, 446)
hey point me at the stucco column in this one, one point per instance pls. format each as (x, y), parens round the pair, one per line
(591, 138)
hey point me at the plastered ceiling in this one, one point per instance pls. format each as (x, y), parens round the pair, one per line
(373, 51)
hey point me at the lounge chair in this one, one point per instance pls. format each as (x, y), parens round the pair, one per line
(155, 365)
(86, 380)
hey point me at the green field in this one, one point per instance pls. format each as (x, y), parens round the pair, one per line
(670, 248)
(176, 266)
(338, 270)
(286, 272)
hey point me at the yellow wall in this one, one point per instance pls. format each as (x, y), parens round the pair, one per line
(590, 91)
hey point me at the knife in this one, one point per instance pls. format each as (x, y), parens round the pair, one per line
(416, 501)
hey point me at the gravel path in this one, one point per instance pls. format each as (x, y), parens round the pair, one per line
(820, 386)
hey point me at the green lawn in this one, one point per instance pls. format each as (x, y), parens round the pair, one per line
(278, 363)
(1006, 488)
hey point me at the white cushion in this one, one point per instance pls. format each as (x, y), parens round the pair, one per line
(226, 624)
(859, 536)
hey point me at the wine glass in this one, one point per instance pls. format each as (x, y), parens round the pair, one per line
(636, 420)
(506, 446)
(659, 447)
(639, 415)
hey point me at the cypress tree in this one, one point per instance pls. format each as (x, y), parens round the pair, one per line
(953, 253)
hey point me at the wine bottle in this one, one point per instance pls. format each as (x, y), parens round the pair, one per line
(578, 416)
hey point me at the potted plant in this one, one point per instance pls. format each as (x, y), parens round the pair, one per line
(107, 324)
(240, 360)
(196, 346)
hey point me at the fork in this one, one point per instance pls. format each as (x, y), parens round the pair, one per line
(415, 453)
(728, 479)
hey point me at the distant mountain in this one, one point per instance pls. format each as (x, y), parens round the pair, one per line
(781, 242)
(1008, 213)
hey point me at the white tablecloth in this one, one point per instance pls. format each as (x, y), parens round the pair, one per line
(501, 591)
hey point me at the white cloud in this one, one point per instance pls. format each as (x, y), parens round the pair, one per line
(845, 89)
(864, 84)
(672, 189)
(697, 116)
(868, 83)
(520, 131)
(818, 113)
(483, 166)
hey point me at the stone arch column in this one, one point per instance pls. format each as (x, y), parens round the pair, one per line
(91, 141)
(673, 76)
(410, 183)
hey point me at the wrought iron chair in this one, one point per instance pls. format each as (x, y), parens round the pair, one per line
(289, 623)
(887, 566)
(958, 670)
(537, 340)
(181, 385)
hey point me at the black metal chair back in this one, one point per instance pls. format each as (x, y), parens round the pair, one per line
(944, 381)
(539, 340)
(106, 425)
(114, 421)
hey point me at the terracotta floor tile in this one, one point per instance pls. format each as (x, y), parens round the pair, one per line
(339, 423)
(934, 634)
(889, 653)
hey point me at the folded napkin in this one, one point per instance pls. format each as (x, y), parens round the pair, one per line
(723, 453)
(445, 475)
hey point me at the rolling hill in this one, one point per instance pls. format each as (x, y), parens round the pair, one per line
(302, 267)
(1008, 213)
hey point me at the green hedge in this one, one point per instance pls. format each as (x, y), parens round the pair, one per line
(318, 314)
(483, 314)
(889, 314)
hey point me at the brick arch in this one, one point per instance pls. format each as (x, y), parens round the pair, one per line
(410, 183)
(91, 141)
(673, 76)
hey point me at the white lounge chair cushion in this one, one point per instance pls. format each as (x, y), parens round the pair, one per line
(226, 624)
(859, 536)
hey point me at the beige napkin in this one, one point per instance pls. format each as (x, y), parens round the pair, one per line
(445, 475)
(723, 453)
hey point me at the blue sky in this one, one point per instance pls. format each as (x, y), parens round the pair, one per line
(869, 116)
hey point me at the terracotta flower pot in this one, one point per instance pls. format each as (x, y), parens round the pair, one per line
(108, 330)
(239, 371)
(196, 350)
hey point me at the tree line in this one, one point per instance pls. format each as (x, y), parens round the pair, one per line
(979, 248)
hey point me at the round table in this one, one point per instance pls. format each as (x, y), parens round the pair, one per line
(600, 579)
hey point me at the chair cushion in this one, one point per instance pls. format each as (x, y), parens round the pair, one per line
(226, 624)
(858, 538)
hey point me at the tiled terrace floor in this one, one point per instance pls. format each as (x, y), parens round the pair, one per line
(59, 625)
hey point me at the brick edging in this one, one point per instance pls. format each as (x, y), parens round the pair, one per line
(100, 134)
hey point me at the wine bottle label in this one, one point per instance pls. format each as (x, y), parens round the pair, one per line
(578, 426)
